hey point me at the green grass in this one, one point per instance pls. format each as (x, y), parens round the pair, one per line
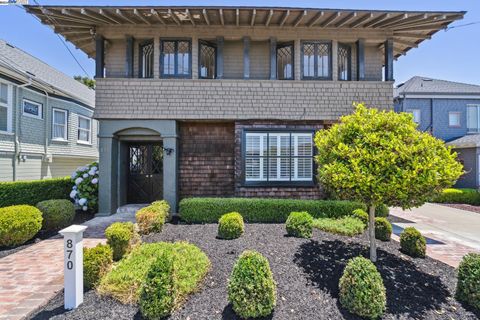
(347, 226)
(126, 278)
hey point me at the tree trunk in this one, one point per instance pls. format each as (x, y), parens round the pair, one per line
(371, 233)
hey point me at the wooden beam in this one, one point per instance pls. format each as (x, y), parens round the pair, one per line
(120, 13)
(57, 18)
(157, 15)
(108, 16)
(205, 16)
(173, 16)
(342, 22)
(189, 15)
(222, 19)
(393, 20)
(237, 17)
(269, 18)
(330, 19)
(361, 20)
(246, 57)
(411, 35)
(381, 17)
(407, 43)
(406, 21)
(81, 37)
(254, 15)
(273, 58)
(300, 18)
(315, 19)
(284, 18)
(96, 16)
(140, 16)
(422, 28)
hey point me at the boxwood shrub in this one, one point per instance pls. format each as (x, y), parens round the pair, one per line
(299, 224)
(413, 243)
(97, 261)
(120, 237)
(57, 213)
(383, 229)
(348, 226)
(382, 211)
(362, 291)
(230, 226)
(251, 288)
(209, 210)
(468, 285)
(32, 192)
(18, 224)
(361, 215)
(467, 196)
(152, 218)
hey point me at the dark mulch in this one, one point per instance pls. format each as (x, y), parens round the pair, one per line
(462, 206)
(306, 272)
(80, 217)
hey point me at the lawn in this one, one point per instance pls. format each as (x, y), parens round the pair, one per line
(306, 271)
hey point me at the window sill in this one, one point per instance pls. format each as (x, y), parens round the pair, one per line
(32, 116)
(60, 140)
(286, 184)
(6, 133)
(84, 143)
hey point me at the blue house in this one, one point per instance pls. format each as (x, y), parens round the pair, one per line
(449, 111)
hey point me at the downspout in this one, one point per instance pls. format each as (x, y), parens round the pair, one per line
(17, 126)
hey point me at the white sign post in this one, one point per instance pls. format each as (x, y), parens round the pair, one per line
(73, 265)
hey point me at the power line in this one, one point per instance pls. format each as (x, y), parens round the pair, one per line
(61, 40)
(463, 25)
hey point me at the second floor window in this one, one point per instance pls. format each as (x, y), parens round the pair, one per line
(146, 60)
(417, 115)
(473, 118)
(32, 109)
(84, 130)
(59, 124)
(5, 107)
(317, 59)
(208, 61)
(344, 62)
(454, 119)
(176, 58)
(285, 61)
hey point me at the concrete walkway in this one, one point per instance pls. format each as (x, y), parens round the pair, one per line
(33, 276)
(451, 233)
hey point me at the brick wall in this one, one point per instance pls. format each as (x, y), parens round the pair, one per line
(206, 159)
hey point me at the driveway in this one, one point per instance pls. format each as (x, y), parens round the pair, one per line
(451, 233)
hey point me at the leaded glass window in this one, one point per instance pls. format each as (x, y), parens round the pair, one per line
(176, 58)
(316, 60)
(146, 60)
(285, 62)
(208, 61)
(344, 62)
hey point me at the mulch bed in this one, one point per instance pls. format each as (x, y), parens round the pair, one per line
(462, 206)
(306, 272)
(80, 217)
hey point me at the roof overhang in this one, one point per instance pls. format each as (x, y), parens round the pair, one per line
(78, 23)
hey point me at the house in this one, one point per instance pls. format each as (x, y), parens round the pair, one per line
(224, 101)
(451, 112)
(46, 125)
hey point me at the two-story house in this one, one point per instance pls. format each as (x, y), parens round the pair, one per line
(224, 101)
(449, 111)
(46, 119)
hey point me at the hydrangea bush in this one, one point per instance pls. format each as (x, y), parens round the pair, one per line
(85, 189)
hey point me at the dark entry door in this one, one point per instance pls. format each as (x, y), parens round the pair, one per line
(145, 176)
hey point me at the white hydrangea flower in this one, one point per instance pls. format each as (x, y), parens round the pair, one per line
(84, 208)
(74, 187)
(78, 180)
(85, 175)
(94, 181)
(76, 202)
(74, 174)
(73, 194)
(94, 168)
(91, 172)
(82, 201)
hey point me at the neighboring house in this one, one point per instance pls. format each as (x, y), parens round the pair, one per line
(46, 125)
(450, 111)
(224, 101)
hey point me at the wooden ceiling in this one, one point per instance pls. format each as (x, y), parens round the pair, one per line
(77, 23)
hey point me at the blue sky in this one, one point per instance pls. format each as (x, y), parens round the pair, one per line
(452, 55)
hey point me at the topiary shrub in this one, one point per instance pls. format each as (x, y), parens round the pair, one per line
(56, 214)
(361, 215)
(230, 226)
(299, 224)
(120, 237)
(97, 261)
(382, 211)
(251, 288)
(468, 283)
(152, 218)
(383, 229)
(413, 243)
(18, 224)
(361, 289)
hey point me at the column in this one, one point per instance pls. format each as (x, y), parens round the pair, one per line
(99, 56)
(220, 43)
(389, 59)
(107, 188)
(360, 59)
(170, 169)
(273, 58)
(246, 57)
(129, 57)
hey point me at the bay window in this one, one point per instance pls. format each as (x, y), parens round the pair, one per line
(278, 158)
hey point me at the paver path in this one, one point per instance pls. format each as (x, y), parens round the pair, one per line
(31, 277)
(451, 233)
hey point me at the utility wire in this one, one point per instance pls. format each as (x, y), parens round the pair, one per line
(463, 25)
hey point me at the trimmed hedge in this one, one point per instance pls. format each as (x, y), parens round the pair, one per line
(18, 224)
(251, 288)
(209, 210)
(230, 226)
(56, 213)
(468, 285)
(383, 229)
(466, 196)
(152, 218)
(120, 237)
(413, 243)
(362, 291)
(32, 192)
(348, 226)
(97, 261)
(299, 224)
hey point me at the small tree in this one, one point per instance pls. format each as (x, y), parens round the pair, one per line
(86, 81)
(379, 157)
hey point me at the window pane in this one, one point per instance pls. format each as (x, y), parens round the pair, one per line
(304, 168)
(58, 131)
(308, 60)
(304, 145)
(252, 169)
(207, 61)
(343, 62)
(183, 58)
(146, 52)
(3, 118)
(31, 108)
(454, 119)
(323, 60)
(84, 123)
(3, 93)
(83, 135)
(59, 117)
(168, 57)
(285, 62)
(472, 118)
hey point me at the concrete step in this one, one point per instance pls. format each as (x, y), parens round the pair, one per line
(131, 208)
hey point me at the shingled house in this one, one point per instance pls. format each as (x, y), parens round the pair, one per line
(224, 101)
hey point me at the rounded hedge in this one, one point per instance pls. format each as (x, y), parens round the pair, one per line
(18, 224)
(120, 237)
(230, 226)
(383, 229)
(362, 291)
(382, 211)
(251, 288)
(57, 214)
(152, 218)
(361, 215)
(299, 224)
(413, 243)
(97, 261)
(468, 284)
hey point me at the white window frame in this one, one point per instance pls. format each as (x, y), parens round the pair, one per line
(459, 115)
(40, 109)
(65, 130)
(418, 112)
(89, 142)
(477, 129)
(9, 106)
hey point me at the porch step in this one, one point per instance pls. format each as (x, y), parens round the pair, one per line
(131, 208)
